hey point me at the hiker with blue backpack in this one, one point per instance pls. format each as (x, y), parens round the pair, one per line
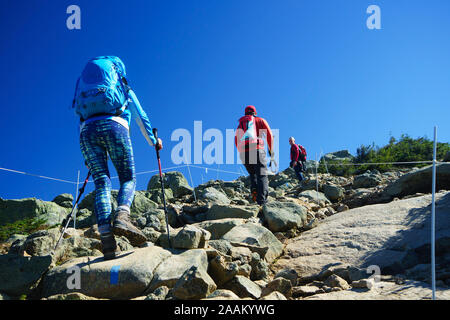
(105, 104)
(298, 159)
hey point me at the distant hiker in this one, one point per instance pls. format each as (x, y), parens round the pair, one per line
(298, 159)
(105, 104)
(250, 144)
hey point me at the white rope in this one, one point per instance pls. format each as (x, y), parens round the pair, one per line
(377, 163)
(38, 176)
(220, 170)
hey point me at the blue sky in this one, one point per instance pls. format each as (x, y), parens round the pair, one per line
(312, 69)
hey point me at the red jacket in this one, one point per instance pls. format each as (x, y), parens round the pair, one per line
(262, 130)
(295, 152)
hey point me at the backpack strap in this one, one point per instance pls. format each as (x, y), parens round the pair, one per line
(75, 94)
(125, 91)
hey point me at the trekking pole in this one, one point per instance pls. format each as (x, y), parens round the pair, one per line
(155, 133)
(66, 221)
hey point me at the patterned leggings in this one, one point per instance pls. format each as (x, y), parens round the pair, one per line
(97, 140)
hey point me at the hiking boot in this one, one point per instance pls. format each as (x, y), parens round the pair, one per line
(109, 245)
(122, 226)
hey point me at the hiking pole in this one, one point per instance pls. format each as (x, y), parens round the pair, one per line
(155, 133)
(67, 220)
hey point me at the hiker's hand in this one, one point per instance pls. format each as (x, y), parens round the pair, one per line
(294, 164)
(158, 144)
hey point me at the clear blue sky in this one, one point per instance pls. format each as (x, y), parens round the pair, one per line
(312, 69)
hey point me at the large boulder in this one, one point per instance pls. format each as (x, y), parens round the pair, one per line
(315, 196)
(142, 204)
(125, 277)
(380, 234)
(65, 200)
(333, 192)
(187, 237)
(195, 283)
(366, 180)
(170, 270)
(420, 181)
(213, 195)
(338, 156)
(174, 181)
(49, 213)
(218, 228)
(20, 275)
(283, 216)
(256, 235)
(243, 287)
(218, 211)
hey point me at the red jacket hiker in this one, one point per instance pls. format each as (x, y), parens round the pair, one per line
(251, 142)
(295, 153)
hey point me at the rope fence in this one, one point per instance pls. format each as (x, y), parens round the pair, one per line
(241, 171)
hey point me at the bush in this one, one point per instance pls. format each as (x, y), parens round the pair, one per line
(25, 227)
(406, 149)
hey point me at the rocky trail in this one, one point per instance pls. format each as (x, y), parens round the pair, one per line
(363, 237)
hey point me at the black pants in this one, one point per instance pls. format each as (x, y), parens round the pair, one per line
(256, 164)
(298, 170)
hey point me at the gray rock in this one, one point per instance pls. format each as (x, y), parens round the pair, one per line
(157, 196)
(283, 216)
(332, 192)
(174, 180)
(366, 180)
(222, 271)
(30, 208)
(222, 294)
(243, 287)
(218, 228)
(305, 291)
(170, 270)
(314, 196)
(335, 281)
(348, 239)
(222, 246)
(363, 284)
(71, 296)
(151, 234)
(142, 204)
(419, 181)
(278, 284)
(338, 156)
(20, 275)
(211, 194)
(275, 295)
(231, 211)
(187, 237)
(256, 235)
(65, 200)
(159, 294)
(135, 273)
(195, 283)
(289, 274)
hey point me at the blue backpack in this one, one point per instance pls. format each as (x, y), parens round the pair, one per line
(100, 89)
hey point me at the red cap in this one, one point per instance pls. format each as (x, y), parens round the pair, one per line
(250, 109)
